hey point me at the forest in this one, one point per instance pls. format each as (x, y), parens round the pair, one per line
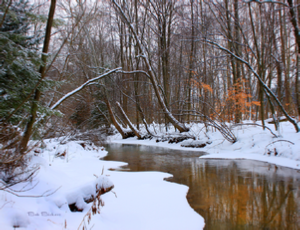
(92, 64)
(193, 73)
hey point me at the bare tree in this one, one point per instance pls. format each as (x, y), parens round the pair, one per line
(181, 127)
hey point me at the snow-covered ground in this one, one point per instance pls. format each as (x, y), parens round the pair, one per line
(70, 173)
(253, 143)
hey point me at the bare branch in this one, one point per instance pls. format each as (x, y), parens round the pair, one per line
(280, 141)
(289, 118)
(82, 86)
(259, 126)
(45, 194)
(267, 1)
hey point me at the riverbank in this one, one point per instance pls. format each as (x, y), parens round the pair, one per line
(253, 143)
(67, 177)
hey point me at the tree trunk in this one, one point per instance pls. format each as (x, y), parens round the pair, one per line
(181, 127)
(128, 122)
(123, 133)
(237, 77)
(260, 70)
(295, 23)
(191, 64)
(29, 127)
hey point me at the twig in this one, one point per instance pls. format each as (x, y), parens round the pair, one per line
(6, 204)
(94, 208)
(258, 125)
(279, 141)
(220, 126)
(32, 196)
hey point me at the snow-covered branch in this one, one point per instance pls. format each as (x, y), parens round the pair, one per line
(82, 86)
(180, 126)
(267, 1)
(290, 119)
(134, 71)
(265, 127)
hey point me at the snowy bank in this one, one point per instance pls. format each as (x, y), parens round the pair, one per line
(253, 143)
(69, 175)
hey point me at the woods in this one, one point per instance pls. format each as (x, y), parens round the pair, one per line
(215, 81)
(142, 62)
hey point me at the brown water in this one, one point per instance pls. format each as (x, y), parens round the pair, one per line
(229, 194)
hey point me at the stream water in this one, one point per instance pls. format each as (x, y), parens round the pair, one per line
(229, 194)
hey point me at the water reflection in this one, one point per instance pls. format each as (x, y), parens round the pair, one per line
(229, 194)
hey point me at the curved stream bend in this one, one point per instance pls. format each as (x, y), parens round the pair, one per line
(229, 194)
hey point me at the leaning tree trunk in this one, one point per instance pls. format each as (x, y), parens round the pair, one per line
(128, 122)
(181, 127)
(116, 123)
(267, 89)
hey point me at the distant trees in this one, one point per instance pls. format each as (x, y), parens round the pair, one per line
(253, 42)
(181, 62)
(177, 53)
(162, 96)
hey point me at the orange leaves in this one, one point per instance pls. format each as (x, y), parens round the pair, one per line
(198, 84)
(237, 102)
(257, 103)
(206, 87)
(202, 85)
(238, 97)
(194, 72)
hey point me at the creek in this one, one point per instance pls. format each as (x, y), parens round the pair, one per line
(229, 194)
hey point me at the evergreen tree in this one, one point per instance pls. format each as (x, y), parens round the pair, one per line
(19, 58)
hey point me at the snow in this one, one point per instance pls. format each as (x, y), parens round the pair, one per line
(156, 204)
(70, 172)
(253, 143)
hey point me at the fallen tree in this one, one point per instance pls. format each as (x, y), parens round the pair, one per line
(128, 122)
